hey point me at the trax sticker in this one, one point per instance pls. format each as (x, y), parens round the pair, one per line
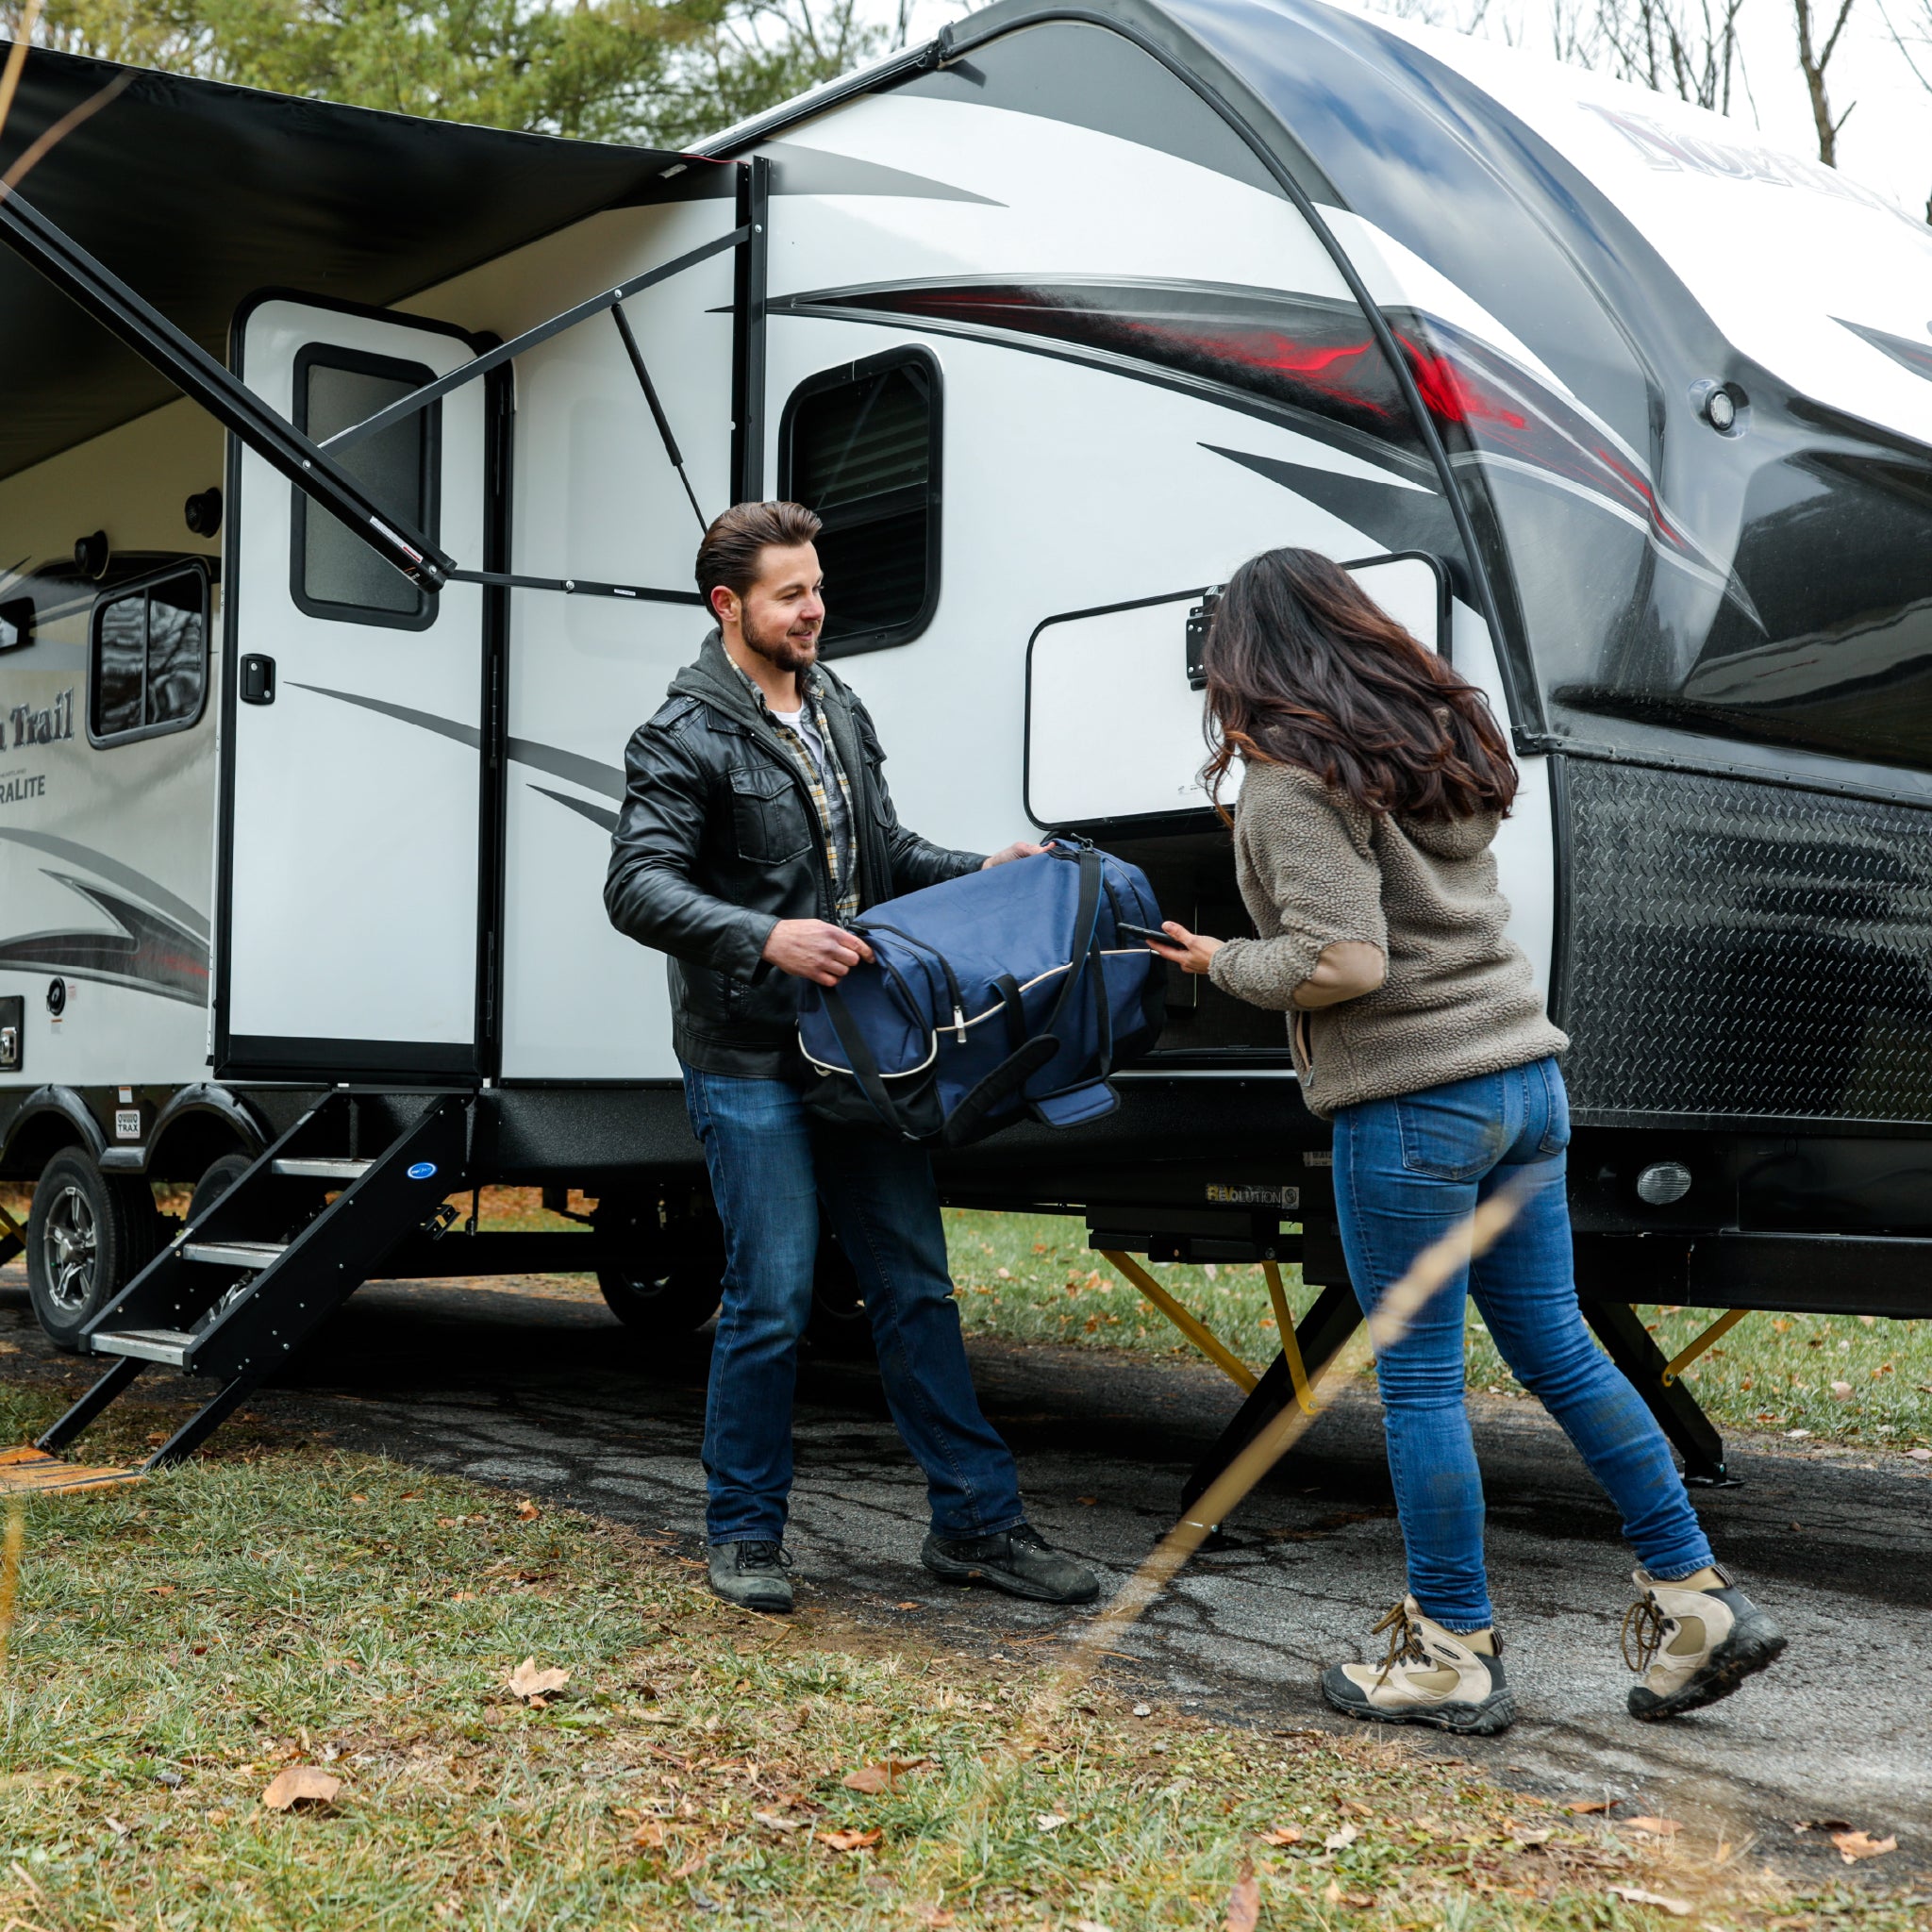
(422, 1171)
(1252, 1195)
(128, 1123)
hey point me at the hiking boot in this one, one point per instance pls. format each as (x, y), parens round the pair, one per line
(752, 1575)
(1430, 1676)
(1694, 1640)
(1016, 1561)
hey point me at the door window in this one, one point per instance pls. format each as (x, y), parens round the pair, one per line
(860, 446)
(147, 669)
(334, 573)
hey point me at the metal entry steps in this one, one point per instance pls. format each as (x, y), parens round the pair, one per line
(168, 1345)
(317, 1167)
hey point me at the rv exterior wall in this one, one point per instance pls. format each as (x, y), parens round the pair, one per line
(105, 852)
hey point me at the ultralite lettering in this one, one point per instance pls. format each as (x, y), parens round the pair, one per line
(44, 727)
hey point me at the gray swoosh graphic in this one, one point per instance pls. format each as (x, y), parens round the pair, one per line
(589, 773)
(800, 170)
(123, 876)
(595, 814)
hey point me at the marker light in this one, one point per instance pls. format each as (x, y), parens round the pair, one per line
(1663, 1182)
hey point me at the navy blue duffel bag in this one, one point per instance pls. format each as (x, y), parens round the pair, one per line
(1004, 994)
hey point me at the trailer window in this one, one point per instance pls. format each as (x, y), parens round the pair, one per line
(148, 658)
(860, 445)
(333, 573)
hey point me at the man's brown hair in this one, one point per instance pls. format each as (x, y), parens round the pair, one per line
(729, 553)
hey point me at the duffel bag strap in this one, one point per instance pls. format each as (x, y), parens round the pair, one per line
(1086, 930)
(865, 1066)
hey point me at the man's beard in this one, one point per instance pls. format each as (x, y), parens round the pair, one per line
(779, 647)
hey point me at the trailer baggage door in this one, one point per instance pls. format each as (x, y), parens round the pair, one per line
(352, 821)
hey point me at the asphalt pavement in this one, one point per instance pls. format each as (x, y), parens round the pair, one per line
(546, 1394)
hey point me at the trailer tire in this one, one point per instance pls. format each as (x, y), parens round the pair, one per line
(88, 1235)
(839, 1326)
(221, 1176)
(659, 1274)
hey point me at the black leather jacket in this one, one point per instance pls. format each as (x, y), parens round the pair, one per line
(718, 842)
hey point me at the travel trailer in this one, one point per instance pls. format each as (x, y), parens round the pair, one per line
(353, 468)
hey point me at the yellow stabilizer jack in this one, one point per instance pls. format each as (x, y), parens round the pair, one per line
(33, 1472)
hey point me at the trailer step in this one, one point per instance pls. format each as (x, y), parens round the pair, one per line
(234, 1253)
(238, 1316)
(320, 1169)
(168, 1345)
(33, 1472)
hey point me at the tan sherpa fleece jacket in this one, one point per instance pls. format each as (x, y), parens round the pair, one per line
(1314, 869)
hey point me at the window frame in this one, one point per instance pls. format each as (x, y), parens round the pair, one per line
(885, 636)
(328, 355)
(142, 586)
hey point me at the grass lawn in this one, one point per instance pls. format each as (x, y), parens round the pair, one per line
(277, 1604)
(1835, 1378)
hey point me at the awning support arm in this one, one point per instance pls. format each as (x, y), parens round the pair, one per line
(657, 415)
(197, 373)
(530, 339)
(575, 587)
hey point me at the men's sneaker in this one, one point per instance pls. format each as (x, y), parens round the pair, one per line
(1017, 1561)
(1430, 1676)
(752, 1575)
(1694, 1640)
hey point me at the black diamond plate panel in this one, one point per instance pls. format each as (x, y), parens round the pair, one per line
(1746, 950)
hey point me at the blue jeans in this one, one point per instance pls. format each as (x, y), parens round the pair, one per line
(771, 1164)
(1405, 1170)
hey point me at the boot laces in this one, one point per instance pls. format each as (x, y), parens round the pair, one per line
(1405, 1641)
(763, 1555)
(1645, 1629)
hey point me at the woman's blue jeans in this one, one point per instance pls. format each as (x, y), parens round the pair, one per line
(1407, 1170)
(771, 1165)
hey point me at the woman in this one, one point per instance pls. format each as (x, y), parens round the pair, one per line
(1374, 781)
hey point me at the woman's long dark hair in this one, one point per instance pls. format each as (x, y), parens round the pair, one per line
(1305, 668)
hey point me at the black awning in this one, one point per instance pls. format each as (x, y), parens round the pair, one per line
(199, 194)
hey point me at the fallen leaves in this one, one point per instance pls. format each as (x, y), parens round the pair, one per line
(873, 1778)
(1244, 1901)
(1050, 1821)
(536, 1686)
(1636, 1895)
(1341, 1839)
(1853, 1845)
(1588, 1805)
(1656, 1827)
(301, 1784)
(1282, 1835)
(526, 1512)
(850, 1839)
(776, 1820)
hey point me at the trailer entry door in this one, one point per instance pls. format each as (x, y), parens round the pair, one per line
(352, 767)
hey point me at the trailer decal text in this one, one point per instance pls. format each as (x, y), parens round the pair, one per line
(46, 727)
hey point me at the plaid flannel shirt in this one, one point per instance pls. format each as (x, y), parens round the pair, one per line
(842, 849)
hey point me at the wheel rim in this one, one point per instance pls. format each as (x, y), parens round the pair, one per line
(69, 1247)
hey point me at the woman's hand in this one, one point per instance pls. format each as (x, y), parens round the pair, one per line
(1192, 952)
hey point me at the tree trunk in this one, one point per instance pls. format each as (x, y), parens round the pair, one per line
(1814, 59)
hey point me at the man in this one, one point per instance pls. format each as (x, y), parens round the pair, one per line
(756, 825)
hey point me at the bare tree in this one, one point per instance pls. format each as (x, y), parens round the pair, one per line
(1914, 44)
(1814, 57)
(1683, 47)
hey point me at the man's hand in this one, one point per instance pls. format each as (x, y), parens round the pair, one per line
(1192, 952)
(811, 949)
(1020, 848)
